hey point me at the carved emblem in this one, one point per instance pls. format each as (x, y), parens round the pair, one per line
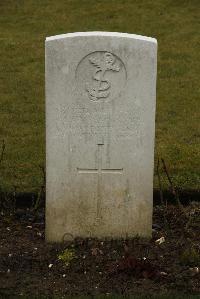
(100, 75)
(101, 86)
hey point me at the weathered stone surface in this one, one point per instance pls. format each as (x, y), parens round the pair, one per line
(100, 118)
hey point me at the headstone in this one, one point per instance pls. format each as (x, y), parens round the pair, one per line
(100, 122)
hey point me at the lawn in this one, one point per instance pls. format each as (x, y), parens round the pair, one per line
(23, 28)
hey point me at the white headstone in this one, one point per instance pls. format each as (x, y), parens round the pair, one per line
(100, 122)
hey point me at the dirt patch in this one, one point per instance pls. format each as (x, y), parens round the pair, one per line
(169, 262)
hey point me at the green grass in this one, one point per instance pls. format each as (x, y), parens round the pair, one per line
(23, 28)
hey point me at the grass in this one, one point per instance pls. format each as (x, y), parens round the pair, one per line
(23, 28)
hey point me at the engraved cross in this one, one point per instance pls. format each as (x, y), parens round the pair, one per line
(99, 170)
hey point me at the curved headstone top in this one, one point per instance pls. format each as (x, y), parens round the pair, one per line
(102, 33)
(100, 125)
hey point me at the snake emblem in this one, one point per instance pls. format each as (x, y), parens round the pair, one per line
(101, 86)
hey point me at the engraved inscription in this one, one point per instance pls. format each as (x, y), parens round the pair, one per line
(100, 76)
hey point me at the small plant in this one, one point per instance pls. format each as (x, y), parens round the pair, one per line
(190, 257)
(67, 256)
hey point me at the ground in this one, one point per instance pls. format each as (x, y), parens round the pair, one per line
(29, 266)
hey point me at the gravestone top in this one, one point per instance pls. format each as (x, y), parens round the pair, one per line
(101, 33)
(100, 123)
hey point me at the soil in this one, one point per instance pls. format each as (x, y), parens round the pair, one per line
(168, 263)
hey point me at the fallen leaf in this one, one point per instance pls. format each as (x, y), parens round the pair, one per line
(163, 273)
(160, 241)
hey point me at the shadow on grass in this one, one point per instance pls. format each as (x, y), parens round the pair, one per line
(172, 296)
(27, 199)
